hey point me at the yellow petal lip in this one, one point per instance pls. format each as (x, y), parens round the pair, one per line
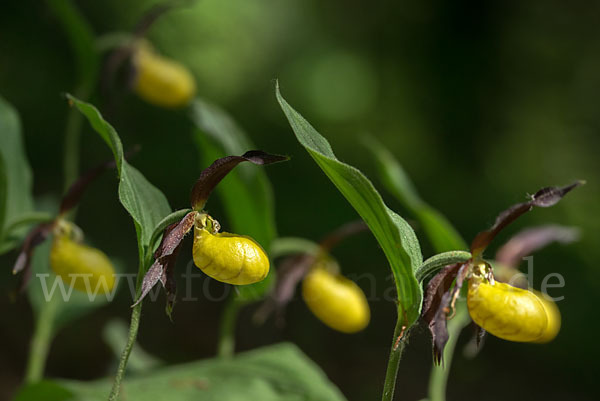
(553, 316)
(230, 258)
(85, 268)
(513, 313)
(336, 301)
(161, 81)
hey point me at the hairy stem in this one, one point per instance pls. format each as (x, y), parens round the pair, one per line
(134, 325)
(226, 345)
(40, 342)
(398, 343)
(133, 330)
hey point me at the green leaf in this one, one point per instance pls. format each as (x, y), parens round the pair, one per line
(277, 373)
(15, 175)
(437, 228)
(146, 203)
(437, 262)
(45, 390)
(246, 192)
(396, 237)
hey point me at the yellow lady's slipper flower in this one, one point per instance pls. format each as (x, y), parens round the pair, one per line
(230, 258)
(335, 300)
(76, 263)
(512, 313)
(161, 81)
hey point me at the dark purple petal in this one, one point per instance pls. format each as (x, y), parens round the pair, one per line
(530, 240)
(436, 288)
(291, 271)
(213, 174)
(545, 197)
(343, 232)
(165, 258)
(77, 189)
(438, 323)
(23, 263)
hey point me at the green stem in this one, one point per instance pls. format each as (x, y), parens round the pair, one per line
(133, 330)
(40, 342)
(226, 345)
(438, 378)
(71, 146)
(82, 41)
(397, 348)
(145, 257)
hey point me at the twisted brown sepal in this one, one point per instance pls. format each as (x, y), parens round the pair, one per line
(545, 197)
(77, 189)
(532, 239)
(33, 239)
(289, 273)
(164, 260)
(293, 269)
(213, 174)
(438, 304)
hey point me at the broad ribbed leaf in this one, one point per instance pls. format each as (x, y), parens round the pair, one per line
(277, 373)
(442, 235)
(146, 203)
(15, 176)
(396, 237)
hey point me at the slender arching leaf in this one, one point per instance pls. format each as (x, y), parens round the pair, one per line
(146, 203)
(396, 237)
(278, 372)
(15, 175)
(437, 228)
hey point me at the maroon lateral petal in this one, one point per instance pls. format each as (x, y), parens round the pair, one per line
(545, 197)
(213, 174)
(438, 324)
(436, 288)
(23, 263)
(165, 258)
(532, 239)
(77, 189)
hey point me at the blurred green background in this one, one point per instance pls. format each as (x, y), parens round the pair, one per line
(481, 102)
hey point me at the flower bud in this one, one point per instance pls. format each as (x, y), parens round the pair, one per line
(161, 81)
(230, 258)
(335, 300)
(83, 267)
